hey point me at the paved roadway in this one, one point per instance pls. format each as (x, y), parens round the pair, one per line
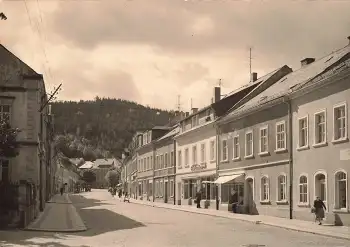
(114, 223)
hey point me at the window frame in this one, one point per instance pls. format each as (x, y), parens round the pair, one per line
(345, 138)
(300, 203)
(278, 199)
(202, 157)
(318, 144)
(247, 156)
(283, 122)
(234, 156)
(194, 155)
(179, 159)
(9, 113)
(212, 151)
(262, 186)
(222, 150)
(306, 119)
(336, 191)
(265, 127)
(187, 157)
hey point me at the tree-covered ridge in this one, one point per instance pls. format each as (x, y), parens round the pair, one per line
(101, 125)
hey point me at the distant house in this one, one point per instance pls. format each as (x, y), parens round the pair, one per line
(87, 165)
(101, 167)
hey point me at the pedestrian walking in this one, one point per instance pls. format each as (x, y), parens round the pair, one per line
(198, 198)
(120, 193)
(61, 191)
(318, 209)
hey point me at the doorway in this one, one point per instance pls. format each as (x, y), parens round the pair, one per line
(179, 192)
(250, 195)
(321, 187)
(166, 191)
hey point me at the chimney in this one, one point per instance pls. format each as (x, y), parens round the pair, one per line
(254, 77)
(187, 114)
(307, 61)
(217, 94)
(194, 110)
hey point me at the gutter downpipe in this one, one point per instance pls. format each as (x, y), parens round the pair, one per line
(217, 128)
(174, 184)
(287, 101)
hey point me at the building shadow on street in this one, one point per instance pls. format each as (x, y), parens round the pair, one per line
(101, 220)
(97, 220)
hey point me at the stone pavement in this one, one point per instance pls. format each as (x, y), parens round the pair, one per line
(340, 232)
(59, 215)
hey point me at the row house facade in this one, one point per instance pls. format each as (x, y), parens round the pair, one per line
(23, 103)
(288, 144)
(145, 162)
(164, 168)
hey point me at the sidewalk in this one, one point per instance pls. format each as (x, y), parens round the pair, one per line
(340, 232)
(59, 215)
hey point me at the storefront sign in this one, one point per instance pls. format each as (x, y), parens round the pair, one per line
(198, 167)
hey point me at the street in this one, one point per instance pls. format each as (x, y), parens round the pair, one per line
(113, 223)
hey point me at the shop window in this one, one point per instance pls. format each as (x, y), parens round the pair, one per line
(226, 190)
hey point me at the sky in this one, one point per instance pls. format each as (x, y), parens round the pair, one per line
(151, 51)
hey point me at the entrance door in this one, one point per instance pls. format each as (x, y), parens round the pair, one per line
(166, 191)
(250, 191)
(179, 188)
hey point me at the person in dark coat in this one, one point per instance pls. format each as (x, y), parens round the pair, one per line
(234, 201)
(61, 190)
(198, 198)
(319, 209)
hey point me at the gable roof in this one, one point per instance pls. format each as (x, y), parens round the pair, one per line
(103, 162)
(227, 103)
(87, 165)
(293, 80)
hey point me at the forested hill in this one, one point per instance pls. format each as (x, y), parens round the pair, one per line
(103, 124)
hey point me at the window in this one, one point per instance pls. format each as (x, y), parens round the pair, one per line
(203, 153)
(162, 161)
(249, 144)
(172, 159)
(320, 128)
(161, 188)
(226, 190)
(194, 155)
(166, 160)
(303, 190)
(5, 112)
(171, 188)
(187, 157)
(4, 168)
(282, 188)
(151, 160)
(281, 136)
(157, 163)
(212, 150)
(236, 147)
(303, 132)
(265, 189)
(263, 141)
(148, 163)
(340, 122)
(156, 193)
(341, 190)
(224, 151)
(179, 159)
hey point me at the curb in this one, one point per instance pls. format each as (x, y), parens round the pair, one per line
(250, 221)
(54, 230)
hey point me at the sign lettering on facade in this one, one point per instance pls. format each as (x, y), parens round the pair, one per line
(345, 154)
(198, 167)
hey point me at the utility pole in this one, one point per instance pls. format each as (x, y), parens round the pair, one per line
(250, 60)
(178, 105)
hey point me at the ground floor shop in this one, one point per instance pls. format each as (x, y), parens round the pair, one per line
(145, 189)
(262, 190)
(164, 189)
(188, 184)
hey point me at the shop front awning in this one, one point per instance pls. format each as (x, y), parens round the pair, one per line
(226, 179)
